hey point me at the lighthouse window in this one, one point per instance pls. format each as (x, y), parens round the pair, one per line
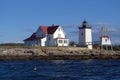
(105, 40)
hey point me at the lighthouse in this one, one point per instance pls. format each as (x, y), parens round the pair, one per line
(105, 39)
(85, 35)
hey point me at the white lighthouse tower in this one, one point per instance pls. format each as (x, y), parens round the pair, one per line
(85, 35)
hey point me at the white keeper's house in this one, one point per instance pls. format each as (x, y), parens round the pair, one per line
(48, 36)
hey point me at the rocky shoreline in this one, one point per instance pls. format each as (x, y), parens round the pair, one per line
(56, 53)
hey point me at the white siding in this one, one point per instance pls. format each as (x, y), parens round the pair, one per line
(43, 41)
(58, 32)
(106, 41)
(88, 38)
(85, 37)
(62, 42)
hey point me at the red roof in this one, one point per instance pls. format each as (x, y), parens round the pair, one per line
(33, 37)
(49, 30)
(60, 38)
(105, 36)
(45, 29)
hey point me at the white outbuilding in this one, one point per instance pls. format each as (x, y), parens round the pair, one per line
(105, 39)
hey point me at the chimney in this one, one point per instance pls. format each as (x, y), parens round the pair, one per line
(53, 24)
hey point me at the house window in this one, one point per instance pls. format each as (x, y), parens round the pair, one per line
(49, 38)
(59, 35)
(60, 41)
(65, 41)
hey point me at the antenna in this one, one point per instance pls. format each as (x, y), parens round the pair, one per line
(104, 31)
